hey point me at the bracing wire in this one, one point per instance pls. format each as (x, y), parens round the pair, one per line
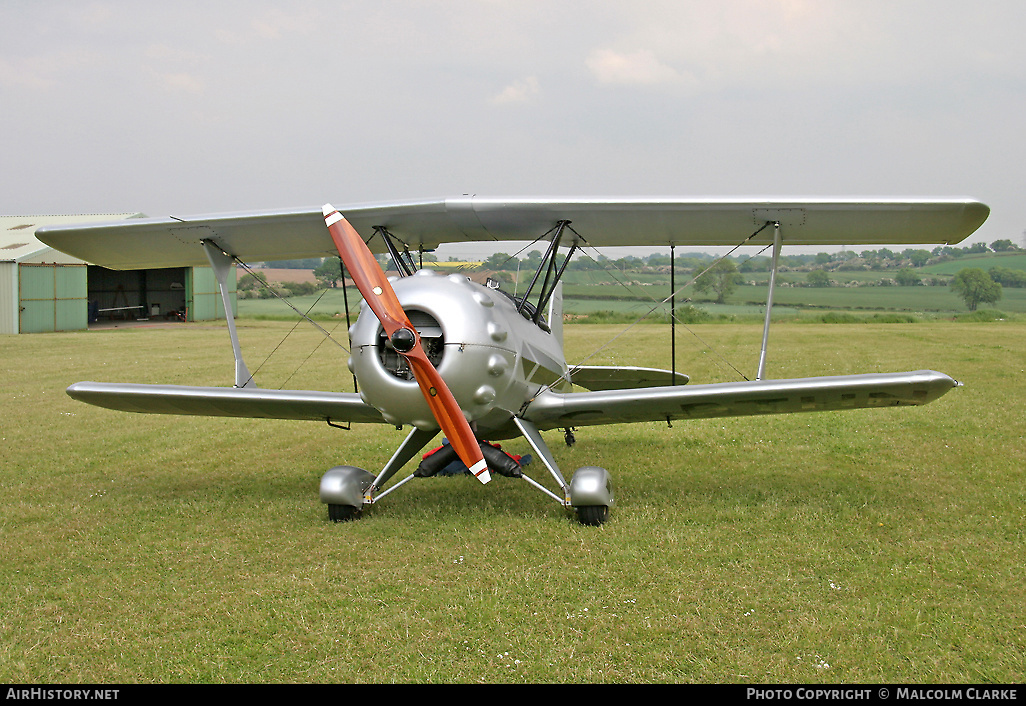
(660, 304)
(327, 334)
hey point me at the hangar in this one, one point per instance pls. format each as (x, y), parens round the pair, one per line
(42, 289)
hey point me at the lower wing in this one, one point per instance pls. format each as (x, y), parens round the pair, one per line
(227, 402)
(552, 410)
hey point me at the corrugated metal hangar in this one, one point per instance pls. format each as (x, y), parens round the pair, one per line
(42, 289)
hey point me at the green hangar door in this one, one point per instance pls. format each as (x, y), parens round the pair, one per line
(51, 297)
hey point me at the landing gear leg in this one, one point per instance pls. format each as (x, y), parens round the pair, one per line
(346, 489)
(589, 492)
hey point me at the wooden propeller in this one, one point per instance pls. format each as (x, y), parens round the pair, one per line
(380, 297)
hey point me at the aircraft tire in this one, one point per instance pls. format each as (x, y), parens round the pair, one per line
(593, 515)
(343, 513)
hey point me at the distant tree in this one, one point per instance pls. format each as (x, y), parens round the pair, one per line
(721, 279)
(247, 282)
(975, 287)
(329, 272)
(1007, 277)
(907, 277)
(499, 261)
(755, 264)
(298, 289)
(1003, 246)
(533, 259)
(818, 278)
(918, 258)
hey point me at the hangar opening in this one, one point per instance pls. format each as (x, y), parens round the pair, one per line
(125, 295)
(166, 294)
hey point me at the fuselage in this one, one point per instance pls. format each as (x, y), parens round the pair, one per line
(493, 357)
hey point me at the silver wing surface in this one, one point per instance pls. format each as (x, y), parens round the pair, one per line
(552, 410)
(611, 377)
(227, 402)
(300, 233)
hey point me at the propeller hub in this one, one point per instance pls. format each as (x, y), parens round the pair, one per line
(403, 340)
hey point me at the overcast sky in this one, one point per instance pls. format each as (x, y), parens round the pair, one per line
(195, 107)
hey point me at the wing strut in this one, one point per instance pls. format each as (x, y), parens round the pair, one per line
(406, 267)
(220, 261)
(673, 316)
(769, 299)
(548, 263)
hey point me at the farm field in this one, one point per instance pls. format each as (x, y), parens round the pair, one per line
(1015, 261)
(871, 546)
(638, 300)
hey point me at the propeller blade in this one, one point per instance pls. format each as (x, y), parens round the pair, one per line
(380, 297)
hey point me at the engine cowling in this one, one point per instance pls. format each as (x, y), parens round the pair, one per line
(465, 331)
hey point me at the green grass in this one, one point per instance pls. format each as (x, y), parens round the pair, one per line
(866, 546)
(592, 297)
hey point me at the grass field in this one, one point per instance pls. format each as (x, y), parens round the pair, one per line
(864, 546)
(746, 301)
(1015, 261)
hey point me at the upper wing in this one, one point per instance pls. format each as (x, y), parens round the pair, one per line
(227, 401)
(552, 410)
(299, 233)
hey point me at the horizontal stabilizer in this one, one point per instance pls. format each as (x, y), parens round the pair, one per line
(227, 402)
(732, 399)
(611, 377)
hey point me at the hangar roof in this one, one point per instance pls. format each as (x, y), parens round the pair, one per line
(18, 241)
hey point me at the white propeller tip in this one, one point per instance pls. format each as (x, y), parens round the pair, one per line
(331, 215)
(480, 471)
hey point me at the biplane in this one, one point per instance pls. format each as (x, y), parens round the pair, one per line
(440, 353)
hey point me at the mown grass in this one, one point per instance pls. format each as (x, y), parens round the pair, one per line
(866, 546)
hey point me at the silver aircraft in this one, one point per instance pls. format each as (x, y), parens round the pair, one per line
(440, 353)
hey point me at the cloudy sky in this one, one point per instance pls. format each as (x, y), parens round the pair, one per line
(193, 107)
